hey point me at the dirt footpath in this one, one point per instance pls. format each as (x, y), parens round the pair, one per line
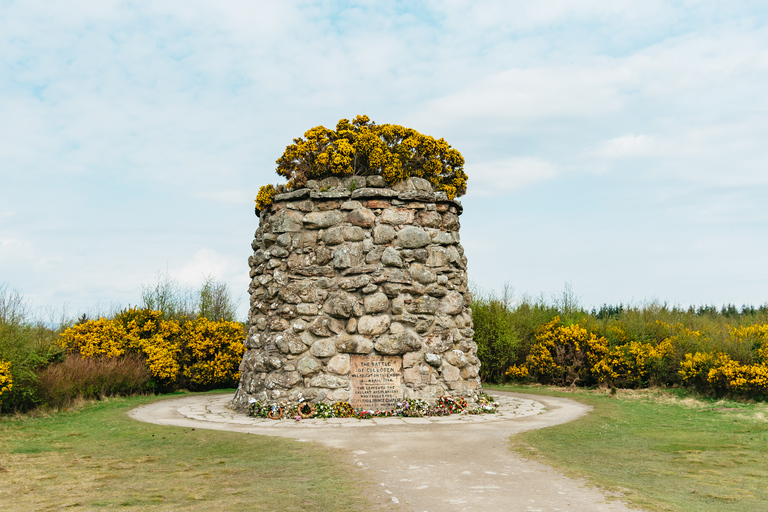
(425, 464)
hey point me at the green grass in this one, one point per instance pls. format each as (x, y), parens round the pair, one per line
(98, 458)
(663, 451)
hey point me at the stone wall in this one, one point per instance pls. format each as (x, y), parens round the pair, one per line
(352, 276)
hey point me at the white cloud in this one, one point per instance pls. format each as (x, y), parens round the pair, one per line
(628, 146)
(207, 262)
(503, 176)
(153, 125)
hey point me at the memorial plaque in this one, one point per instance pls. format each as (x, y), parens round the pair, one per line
(376, 382)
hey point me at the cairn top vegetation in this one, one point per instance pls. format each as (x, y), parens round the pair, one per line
(363, 148)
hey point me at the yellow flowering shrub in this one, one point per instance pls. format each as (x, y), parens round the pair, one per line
(755, 335)
(202, 352)
(694, 369)
(634, 363)
(562, 354)
(213, 351)
(265, 196)
(155, 338)
(364, 148)
(731, 377)
(6, 380)
(102, 337)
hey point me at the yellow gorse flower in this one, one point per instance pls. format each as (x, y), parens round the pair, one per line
(208, 353)
(363, 148)
(6, 379)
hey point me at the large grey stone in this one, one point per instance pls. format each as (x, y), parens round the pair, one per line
(308, 365)
(328, 381)
(348, 255)
(325, 347)
(455, 358)
(433, 359)
(452, 303)
(383, 234)
(449, 372)
(430, 219)
(299, 291)
(322, 220)
(282, 379)
(333, 236)
(373, 325)
(283, 240)
(289, 344)
(450, 222)
(354, 344)
(278, 252)
(278, 324)
(412, 237)
(376, 303)
(286, 220)
(421, 274)
(394, 344)
(441, 237)
(405, 185)
(354, 282)
(424, 304)
(397, 216)
(438, 342)
(375, 181)
(362, 217)
(353, 233)
(339, 364)
(420, 184)
(306, 309)
(453, 254)
(351, 205)
(437, 257)
(391, 258)
(320, 326)
(412, 359)
(340, 304)
(469, 372)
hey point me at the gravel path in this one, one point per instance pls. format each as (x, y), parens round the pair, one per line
(454, 463)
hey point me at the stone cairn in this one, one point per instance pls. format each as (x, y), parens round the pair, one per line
(359, 294)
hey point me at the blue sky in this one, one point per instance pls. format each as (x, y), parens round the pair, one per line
(617, 146)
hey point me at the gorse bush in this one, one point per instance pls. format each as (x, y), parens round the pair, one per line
(189, 340)
(362, 147)
(716, 351)
(212, 352)
(199, 353)
(6, 378)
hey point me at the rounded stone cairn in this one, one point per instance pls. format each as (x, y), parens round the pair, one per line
(359, 294)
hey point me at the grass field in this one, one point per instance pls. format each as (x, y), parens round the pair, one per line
(663, 451)
(99, 458)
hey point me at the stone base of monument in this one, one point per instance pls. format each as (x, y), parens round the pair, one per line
(359, 294)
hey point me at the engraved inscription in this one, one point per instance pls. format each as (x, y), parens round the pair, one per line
(376, 381)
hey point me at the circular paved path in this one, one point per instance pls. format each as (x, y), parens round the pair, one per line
(454, 463)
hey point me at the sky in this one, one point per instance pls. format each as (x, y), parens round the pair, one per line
(616, 147)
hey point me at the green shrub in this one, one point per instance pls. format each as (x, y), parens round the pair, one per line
(27, 348)
(498, 344)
